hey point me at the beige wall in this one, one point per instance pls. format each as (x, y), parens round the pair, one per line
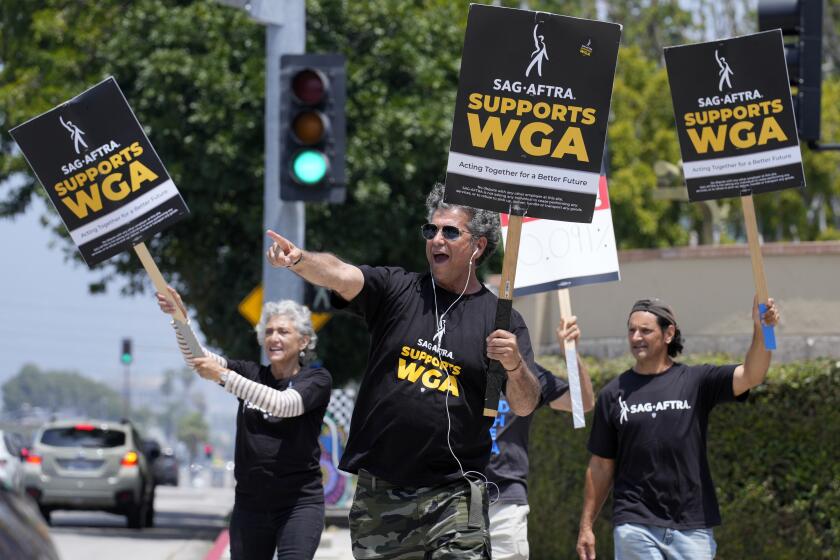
(711, 290)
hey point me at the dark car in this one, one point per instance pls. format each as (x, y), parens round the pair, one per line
(166, 468)
(163, 461)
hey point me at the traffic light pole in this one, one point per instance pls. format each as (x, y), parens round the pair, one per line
(285, 33)
(127, 391)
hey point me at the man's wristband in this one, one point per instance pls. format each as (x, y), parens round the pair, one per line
(300, 258)
(516, 368)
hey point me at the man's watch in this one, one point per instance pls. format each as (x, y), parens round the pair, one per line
(223, 377)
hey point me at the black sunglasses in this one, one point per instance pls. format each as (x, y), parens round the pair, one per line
(450, 233)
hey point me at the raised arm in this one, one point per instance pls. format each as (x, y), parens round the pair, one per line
(597, 485)
(321, 269)
(754, 369)
(167, 305)
(213, 367)
(569, 330)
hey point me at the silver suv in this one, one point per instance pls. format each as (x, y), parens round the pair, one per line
(90, 465)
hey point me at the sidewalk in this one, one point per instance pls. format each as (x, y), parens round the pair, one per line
(335, 545)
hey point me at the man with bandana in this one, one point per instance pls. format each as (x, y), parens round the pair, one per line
(648, 440)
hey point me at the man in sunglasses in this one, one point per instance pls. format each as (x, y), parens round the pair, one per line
(418, 437)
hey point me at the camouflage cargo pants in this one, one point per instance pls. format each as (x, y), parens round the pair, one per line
(406, 523)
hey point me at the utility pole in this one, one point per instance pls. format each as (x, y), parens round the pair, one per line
(285, 23)
(126, 357)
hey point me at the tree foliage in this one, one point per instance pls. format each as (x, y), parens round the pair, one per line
(60, 392)
(193, 430)
(179, 399)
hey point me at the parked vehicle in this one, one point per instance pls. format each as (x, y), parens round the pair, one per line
(166, 468)
(11, 466)
(91, 465)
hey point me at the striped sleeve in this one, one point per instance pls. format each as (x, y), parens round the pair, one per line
(185, 349)
(282, 404)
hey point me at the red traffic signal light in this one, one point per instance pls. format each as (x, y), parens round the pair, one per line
(312, 128)
(309, 86)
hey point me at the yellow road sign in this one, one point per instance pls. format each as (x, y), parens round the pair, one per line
(319, 320)
(251, 307)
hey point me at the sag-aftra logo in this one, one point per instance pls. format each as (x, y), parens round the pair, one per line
(418, 366)
(649, 407)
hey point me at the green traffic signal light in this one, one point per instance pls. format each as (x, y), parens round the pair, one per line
(309, 167)
(313, 127)
(126, 357)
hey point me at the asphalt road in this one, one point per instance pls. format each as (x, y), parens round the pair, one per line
(187, 521)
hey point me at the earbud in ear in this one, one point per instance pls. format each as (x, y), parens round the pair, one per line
(473, 255)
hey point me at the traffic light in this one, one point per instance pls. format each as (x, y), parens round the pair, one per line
(801, 25)
(126, 357)
(312, 125)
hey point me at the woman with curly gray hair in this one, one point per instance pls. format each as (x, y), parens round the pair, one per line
(279, 503)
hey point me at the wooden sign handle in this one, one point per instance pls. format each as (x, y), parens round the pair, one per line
(160, 285)
(570, 348)
(496, 374)
(757, 267)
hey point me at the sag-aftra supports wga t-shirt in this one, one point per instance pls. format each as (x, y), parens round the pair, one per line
(399, 427)
(278, 459)
(654, 426)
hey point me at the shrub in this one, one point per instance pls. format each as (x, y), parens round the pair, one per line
(775, 461)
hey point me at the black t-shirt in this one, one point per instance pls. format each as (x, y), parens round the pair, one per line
(399, 427)
(508, 466)
(278, 459)
(654, 426)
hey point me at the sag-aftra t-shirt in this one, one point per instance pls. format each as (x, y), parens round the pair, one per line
(399, 427)
(654, 426)
(278, 459)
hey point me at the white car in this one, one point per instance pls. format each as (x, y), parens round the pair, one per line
(11, 467)
(91, 465)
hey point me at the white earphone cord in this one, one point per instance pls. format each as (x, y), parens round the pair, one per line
(482, 478)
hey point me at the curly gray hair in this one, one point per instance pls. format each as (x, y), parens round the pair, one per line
(483, 223)
(299, 315)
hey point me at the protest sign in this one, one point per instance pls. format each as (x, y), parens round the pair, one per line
(555, 255)
(734, 115)
(105, 180)
(736, 128)
(531, 113)
(558, 255)
(100, 172)
(529, 127)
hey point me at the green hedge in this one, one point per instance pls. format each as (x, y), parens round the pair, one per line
(775, 461)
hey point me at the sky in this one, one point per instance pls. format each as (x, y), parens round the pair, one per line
(49, 318)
